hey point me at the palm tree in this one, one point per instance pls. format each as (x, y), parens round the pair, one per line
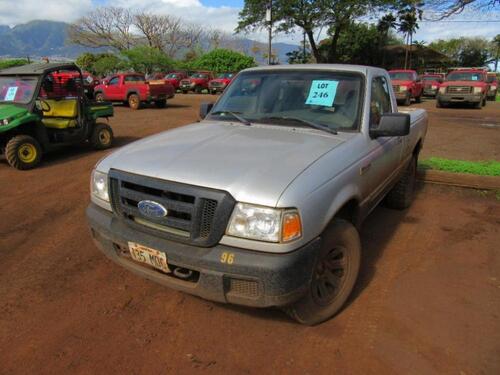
(385, 24)
(408, 25)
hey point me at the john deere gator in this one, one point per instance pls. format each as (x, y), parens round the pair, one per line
(43, 108)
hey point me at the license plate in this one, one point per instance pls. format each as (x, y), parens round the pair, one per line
(146, 255)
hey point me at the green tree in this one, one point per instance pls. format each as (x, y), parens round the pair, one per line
(495, 46)
(147, 59)
(384, 27)
(408, 25)
(86, 62)
(310, 16)
(298, 56)
(223, 60)
(107, 64)
(466, 51)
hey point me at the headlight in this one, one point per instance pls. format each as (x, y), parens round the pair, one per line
(493, 87)
(442, 90)
(403, 88)
(5, 121)
(477, 90)
(264, 223)
(99, 186)
(434, 87)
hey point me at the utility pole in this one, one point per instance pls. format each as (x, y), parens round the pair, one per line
(269, 20)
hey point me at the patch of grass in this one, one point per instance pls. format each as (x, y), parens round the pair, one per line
(482, 168)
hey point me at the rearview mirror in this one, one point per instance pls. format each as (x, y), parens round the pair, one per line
(392, 125)
(205, 108)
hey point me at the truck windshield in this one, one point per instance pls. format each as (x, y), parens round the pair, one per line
(401, 76)
(491, 79)
(17, 89)
(464, 76)
(326, 98)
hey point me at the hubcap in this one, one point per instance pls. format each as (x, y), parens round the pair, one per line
(329, 276)
(104, 137)
(27, 153)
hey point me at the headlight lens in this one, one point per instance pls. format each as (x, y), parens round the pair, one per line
(442, 90)
(5, 121)
(434, 87)
(477, 90)
(403, 88)
(264, 223)
(99, 185)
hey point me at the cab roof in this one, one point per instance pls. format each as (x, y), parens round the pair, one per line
(38, 69)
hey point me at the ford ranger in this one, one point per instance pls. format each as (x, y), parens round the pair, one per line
(492, 86)
(133, 89)
(220, 83)
(260, 203)
(431, 84)
(407, 86)
(463, 86)
(197, 82)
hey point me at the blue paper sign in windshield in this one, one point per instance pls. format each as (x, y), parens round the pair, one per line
(11, 94)
(322, 93)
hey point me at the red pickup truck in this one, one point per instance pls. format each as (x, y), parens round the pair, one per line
(197, 82)
(406, 86)
(220, 83)
(175, 78)
(431, 82)
(467, 86)
(134, 90)
(492, 86)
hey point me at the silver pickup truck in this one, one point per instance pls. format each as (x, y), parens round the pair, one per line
(260, 203)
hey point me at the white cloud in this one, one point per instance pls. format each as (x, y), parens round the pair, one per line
(13, 12)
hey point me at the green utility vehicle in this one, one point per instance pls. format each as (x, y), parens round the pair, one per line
(43, 108)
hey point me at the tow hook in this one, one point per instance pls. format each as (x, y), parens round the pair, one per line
(183, 273)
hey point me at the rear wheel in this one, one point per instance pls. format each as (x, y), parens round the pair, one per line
(198, 89)
(334, 276)
(23, 152)
(134, 102)
(401, 195)
(418, 99)
(101, 137)
(99, 97)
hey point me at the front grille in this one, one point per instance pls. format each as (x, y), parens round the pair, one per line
(242, 288)
(216, 84)
(395, 88)
(459, 89)
(195, 215)
(185, 82)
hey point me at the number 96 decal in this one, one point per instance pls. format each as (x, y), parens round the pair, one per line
(227, 258)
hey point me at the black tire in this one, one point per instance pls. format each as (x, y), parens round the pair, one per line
(101, 137)
(99, 97)
(23, 152)
(184, 92)
(401, 195)
(335, 274)
(484, 101)
(418, 99)
(161, 103)
(439, 104)
(134, 102)
(198, 89)
(407, 100)
(478, 105)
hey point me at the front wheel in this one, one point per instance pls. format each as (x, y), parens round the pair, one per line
(99, 97)
(418, 99)
(334, 275)
(101, 137)
(134, 102)
(23, 152)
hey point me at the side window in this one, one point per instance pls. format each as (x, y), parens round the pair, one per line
(113, 81)
(380, 101)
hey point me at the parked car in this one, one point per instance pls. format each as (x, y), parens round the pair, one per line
(197, 82)
(467, 86)
(260, 204)
(134, 90)
(175, 78)
(407, 86)
(220, 83)
(43, 108)
(89, 82)
(492, 81)
(431, 84)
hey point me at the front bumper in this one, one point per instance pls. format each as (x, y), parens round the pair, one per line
(430, 92)
(254, 279)
(459, 98)
(401, 95)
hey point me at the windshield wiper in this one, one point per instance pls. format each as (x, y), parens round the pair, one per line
(306, 122)
(235, 115)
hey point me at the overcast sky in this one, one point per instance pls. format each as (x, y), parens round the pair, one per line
(221, 14)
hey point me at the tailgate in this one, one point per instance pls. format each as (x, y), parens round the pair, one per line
(160, 88)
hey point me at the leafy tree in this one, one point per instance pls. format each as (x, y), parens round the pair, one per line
(223, 60)
(496, 50)
(107, 64)
(147, 59)
(298, 56)
(86, 61)
(447, 8)
(311, 16)
(408, 25)
(466, 51)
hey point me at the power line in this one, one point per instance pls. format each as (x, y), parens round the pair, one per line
(459, 21)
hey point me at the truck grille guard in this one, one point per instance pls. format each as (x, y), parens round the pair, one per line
(195, 215)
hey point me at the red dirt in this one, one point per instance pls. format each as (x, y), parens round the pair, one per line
(427, 301)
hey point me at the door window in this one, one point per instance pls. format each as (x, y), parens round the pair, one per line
(113, 81)
(380, 102)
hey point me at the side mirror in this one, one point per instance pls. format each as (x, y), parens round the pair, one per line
(392, 125)
(205, 108)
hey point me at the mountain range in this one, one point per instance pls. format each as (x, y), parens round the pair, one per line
(41, 38)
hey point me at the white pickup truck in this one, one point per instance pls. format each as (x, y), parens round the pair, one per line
(260, 203)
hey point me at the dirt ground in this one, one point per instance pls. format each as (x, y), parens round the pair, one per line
(427, 301)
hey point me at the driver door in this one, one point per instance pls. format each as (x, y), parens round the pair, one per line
(113, 89)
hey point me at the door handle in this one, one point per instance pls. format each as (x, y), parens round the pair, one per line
(399, 140)
(364, 169)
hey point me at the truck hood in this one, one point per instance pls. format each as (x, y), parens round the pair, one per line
(463, 83)
(401, 82)
(254, 163)
(11, 110)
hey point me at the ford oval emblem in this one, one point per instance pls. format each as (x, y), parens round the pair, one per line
(152, 209)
